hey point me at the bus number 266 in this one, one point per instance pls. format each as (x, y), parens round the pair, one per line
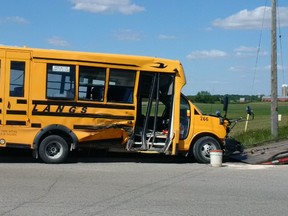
(204, 118)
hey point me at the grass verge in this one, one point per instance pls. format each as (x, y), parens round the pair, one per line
(259, 137)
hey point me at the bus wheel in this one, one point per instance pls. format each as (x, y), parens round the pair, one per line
(202, 148)
(53, 149)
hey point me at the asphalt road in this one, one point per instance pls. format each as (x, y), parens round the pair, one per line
(117, 184)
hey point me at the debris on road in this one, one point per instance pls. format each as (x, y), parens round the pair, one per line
(276, 153)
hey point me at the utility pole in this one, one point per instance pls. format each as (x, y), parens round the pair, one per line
(274, 102)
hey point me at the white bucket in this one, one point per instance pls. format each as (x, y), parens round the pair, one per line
(216, 158)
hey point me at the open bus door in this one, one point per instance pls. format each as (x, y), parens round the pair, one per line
(153, 130)
(15, 104)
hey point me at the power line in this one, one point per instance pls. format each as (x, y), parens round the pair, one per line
(258, 48)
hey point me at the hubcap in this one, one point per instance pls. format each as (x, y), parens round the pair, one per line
(206, 149)
(54, 150)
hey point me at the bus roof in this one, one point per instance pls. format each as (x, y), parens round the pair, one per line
(143, 62)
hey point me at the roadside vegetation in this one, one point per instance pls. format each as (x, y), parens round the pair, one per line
(258, 130)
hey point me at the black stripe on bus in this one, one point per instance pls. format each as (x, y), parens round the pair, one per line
(85, 61)
(16, 112)
(91, 127)
(16, 122)
(85, 127)
(82, 115)
(83, 104)
(0, 111)
(21, 101)
(0, 100)
(36, 125)
(17, 145)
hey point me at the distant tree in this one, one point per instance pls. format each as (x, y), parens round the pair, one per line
(204, 97)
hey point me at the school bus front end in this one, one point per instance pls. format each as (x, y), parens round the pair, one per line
(202, 133)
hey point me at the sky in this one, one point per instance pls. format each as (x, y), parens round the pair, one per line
(224, 45)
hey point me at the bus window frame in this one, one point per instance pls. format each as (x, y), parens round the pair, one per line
(20, 69)
(67, 94)
(97, 88)
(125, 93)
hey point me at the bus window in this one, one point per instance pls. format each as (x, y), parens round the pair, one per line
(60, 81)
(184, 117)
(121, 86)
(91, 83)
(17, 75)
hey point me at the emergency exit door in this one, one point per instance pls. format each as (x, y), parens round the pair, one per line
(15, 103)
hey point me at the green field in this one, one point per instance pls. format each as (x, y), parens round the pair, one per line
(258, 130)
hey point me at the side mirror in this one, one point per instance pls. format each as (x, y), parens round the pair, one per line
(225, 105)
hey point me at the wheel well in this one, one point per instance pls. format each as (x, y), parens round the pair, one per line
(60, 133)
(59, 130)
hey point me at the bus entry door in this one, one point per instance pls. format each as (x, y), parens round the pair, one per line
(15, 105)
(154, 112)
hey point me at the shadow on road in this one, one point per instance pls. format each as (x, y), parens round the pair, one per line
(92, 156)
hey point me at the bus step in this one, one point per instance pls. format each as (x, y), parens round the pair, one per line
(158, 144)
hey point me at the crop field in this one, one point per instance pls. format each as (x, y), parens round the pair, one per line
(262, 115)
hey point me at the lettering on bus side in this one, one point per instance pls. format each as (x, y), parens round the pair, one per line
(72, 109)
(59, 109)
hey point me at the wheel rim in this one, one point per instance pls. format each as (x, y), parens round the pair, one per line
(206, 148)
(54, 150)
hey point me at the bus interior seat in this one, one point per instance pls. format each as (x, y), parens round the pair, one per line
(18, 91)
(97, 93)
(120, 94)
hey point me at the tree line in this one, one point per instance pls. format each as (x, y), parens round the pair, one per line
(206, 97)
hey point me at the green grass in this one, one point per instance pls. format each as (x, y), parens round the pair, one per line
(258, 130)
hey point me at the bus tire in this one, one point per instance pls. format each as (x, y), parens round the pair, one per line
(202, 148)
(53, 149)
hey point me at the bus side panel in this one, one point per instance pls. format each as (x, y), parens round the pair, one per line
(86, 121)
(89, 120)
(19, 137)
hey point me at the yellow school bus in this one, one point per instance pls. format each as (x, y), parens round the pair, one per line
(53, 102)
